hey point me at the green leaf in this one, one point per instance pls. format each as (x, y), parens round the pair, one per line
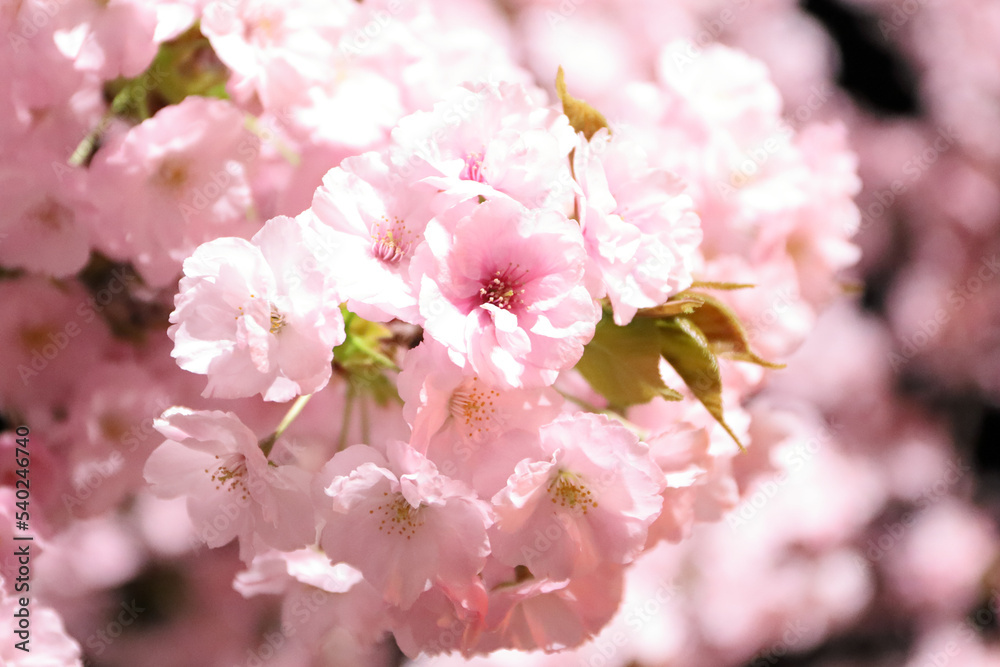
(622, 363)
(583, 117)
(687, 350)
(722, 328)
(700, 284)
(675, 306)
(187, 65)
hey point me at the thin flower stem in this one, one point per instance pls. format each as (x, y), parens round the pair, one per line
(267, 444)
(383, 361)
(365, 420)
(345, 424)
(292, 413)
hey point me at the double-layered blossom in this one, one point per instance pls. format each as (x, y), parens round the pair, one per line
(489, 138)
(640, 227)
(174, 181)
(232, 490)
(589, 501)
(472, 430)
(43, 226)
(276, 50)
(486, 230)
(258, 316)
(527, 613)
(502, 287)
(111, 39)
(402, 523)
(377, 222)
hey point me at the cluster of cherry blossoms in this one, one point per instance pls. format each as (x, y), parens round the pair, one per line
(432, 354)
(472, 241)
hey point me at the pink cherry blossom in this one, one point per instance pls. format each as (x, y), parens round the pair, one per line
(110, 426)
(442, 620)
(109, 39)
(43, 227)
(820, 243)
(401, 522)
(232, 491)
(37, 73)
(485, 515)
(490, 138)
(502, 288)
(276, 50)
(550, 614)
(641, 231)
(472, 431)
(589, 501)
(378, 220)
(50, 337)
(325, 607)
(170, 183)
(258, 316)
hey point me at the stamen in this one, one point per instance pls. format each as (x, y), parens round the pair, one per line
(473, 409)
(231, 474)
(398, 516)
(568, 490)
(504, 289)
(389, 240)
(277, 320)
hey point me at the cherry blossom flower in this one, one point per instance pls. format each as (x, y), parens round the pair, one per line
(258, 316)
(401, 522)
(484, 513)
(489, 138)
(641, 231)
(276, 50)
(170, 183)
(551, 614)
(378, 224)
(109, 39)
(442, 620)
(50, 337)
(232, 491)
(589, 502)
(471, 430)
(43, 227)
(502, 288)
(110, 426)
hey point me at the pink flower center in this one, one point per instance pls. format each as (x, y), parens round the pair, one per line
(262, 28)
(390, 241)
(172, 174)
(51, 214)
(473, 169)
(504, 289)
(398, 516)
(35, 337)
(231, 474)
(567, 490)
(473, 409)
(114, 427)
